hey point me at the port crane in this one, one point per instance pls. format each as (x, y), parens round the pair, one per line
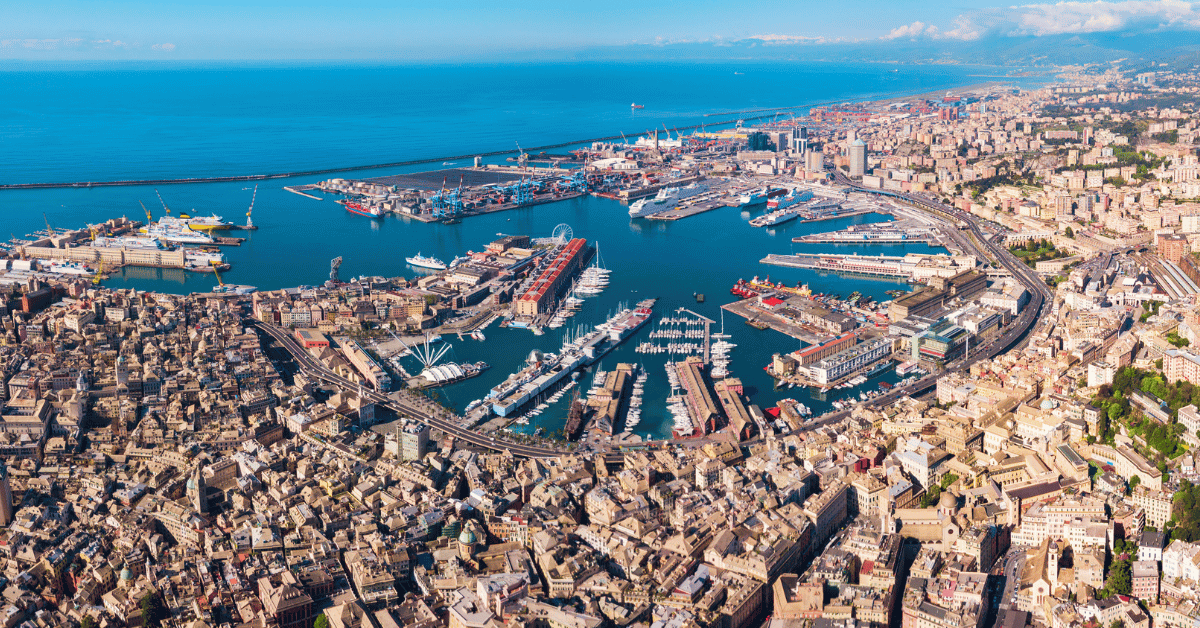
(149, 218)
(522, 156)
(99, 273)
(250, 221)
(164, 203)
(217, 273)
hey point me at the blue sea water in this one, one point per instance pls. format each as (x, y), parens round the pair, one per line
(154, 121)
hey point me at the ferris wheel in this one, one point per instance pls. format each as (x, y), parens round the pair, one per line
(562, 234)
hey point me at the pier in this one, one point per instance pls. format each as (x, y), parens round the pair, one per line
(911, 267)
(891, 232)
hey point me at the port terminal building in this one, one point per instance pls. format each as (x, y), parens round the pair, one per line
(543, 294)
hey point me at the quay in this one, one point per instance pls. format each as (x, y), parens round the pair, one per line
(747, 309)
(79, 245)
(898, 232)
(911, 267)
(855, 211)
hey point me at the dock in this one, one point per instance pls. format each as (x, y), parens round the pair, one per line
(891, 232)
(762, 319)
(910, 267)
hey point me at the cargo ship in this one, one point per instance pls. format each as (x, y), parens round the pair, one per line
(420, 261)
(362, 210)
(544, 370)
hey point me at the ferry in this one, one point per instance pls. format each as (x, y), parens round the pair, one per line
(420, 261)
(666, 200)
(368, 211)
(777, 217)
(792, 198)
(755, 197)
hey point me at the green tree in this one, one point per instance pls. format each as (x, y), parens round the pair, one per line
(87, 622)
(1120, 581)
(321, 622)
(151, 611)
(1070, 232)
(1134, 481)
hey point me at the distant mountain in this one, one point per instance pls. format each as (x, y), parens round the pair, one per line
(1011, 52)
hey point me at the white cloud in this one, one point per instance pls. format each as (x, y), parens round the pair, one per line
(964, 29)
(163, 47)
(1066, 17)
(911, 31)
(110, 43)
(775, 39)
(1100, 16)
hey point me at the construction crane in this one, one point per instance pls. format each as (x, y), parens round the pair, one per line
(49, 229)
(149, 218)
(164, 203)
(625, 139)
(99, 273)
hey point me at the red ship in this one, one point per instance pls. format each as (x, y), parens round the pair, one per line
(355, 208)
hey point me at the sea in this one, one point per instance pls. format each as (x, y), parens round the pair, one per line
(141, 121)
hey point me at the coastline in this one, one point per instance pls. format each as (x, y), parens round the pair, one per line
(774, 111)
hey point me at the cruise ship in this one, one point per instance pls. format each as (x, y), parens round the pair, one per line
(206, 223)
(420, 261)
(651, 205)
(545, 370)
(175, 234)
(666, 200)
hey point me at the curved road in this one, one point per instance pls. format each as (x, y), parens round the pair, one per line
(315, 368)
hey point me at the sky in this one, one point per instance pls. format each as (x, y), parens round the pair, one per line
(432, 29)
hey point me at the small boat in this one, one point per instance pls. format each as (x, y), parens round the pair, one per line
(637, 106)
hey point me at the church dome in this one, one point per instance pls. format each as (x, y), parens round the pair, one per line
(126, 574)
(467, 537)
(947, 501)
